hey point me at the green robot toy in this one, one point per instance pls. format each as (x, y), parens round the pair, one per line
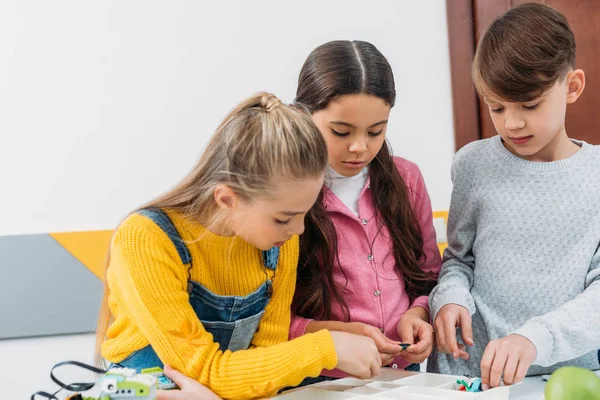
(116, 384)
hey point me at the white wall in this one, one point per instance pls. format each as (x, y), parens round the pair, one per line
(105, 104)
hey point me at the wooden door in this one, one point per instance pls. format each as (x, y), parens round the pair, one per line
(583, 117)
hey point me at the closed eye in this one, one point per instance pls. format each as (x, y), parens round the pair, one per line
(533, 107)
(280, 222)
(375, 133)
(341, 134)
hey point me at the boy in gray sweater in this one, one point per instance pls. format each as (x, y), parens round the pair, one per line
(521, 275)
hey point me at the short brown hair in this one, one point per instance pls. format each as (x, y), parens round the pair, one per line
(524, 52)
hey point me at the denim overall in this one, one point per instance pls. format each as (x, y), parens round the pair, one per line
(232, 320)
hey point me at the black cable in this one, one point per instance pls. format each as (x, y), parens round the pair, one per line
(46, 395)
(73, 387)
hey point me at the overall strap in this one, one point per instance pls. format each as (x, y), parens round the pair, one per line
(163, 221)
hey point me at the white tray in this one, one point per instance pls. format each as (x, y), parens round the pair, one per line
(420, 386)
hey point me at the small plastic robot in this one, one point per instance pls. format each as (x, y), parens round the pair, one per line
(124, 383)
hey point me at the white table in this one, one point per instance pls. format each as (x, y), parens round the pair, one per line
(530, 389)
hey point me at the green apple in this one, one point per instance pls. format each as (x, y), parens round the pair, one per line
(573, 383)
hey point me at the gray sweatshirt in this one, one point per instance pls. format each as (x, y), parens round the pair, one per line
(524, 255)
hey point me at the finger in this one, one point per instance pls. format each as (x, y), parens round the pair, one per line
(450, 332)
(498, 367)
(180, 379)
(376, 335)
(419, 352)
(462, 353)
(393, 347)
(440, 338)
(366, 371)
(383, 343)
(386, 359)
(417, 358)
(510, 369)
(424, 339)
(406, 332)
(522, 369)
(185, 382)
(466, 327)
(486, 364)
(420, 347)
(390, 347)
(375, 368)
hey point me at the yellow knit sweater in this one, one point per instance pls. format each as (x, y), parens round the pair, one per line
(149, 302)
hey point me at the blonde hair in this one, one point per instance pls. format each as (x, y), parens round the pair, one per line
(259, 140)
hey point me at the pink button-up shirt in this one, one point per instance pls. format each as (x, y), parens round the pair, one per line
(376, 292)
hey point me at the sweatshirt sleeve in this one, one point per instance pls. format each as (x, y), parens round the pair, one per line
(571, 330)
(456, 276)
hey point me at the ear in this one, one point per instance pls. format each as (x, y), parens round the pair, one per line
(225, 197)
(576, 84)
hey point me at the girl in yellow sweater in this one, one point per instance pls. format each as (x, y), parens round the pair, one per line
(203, 277)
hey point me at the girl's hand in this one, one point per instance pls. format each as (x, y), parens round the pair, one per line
(510, 356)
(447, 320)
(189, 389)
(357, 355)
(388, 349)
(414, 329)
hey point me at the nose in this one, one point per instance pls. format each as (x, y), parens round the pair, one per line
(359, 145)
(296, 228)
(513, 122)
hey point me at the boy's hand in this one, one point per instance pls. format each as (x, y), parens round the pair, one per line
(510, 356)
(189, 388)
(414, 329)
(447, 320)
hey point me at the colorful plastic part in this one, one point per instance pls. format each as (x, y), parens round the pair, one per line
(470, 385)
(164, 382)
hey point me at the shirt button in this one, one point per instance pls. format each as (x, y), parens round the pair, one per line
(394, 366)
(377, 293)
(365, 221)
(370, 257)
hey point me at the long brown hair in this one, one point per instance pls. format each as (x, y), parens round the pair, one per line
(523, 53)
(332, 70)
(260, 139)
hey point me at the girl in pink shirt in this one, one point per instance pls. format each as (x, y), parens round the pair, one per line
(369, 256)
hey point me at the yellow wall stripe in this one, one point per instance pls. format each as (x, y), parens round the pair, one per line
(88, 247)
(444, 215)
